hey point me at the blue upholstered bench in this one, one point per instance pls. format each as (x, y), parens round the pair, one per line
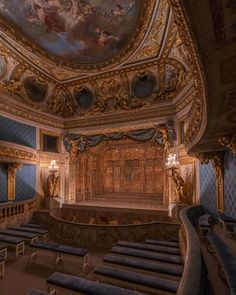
(225, 258)
(135, 280)
(170, 258)
(79, 285)
(161, 269)
(204, 224)
(40, 232)
(33, 225)
(24, 235)
(148, 247)
(60, 250)
(37, 292)
(163, 243)
(11, 241)
(227, 222)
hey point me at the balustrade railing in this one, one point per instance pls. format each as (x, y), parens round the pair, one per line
(11, 209)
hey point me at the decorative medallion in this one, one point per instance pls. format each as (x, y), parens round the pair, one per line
(34, 89)
(143, 84)
(84, 97)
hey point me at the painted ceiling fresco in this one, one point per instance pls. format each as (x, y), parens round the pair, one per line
(77, 31)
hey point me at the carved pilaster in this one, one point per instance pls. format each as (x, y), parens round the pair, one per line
(217, 160)
(74, 149)
(229, 142)
(11, 179)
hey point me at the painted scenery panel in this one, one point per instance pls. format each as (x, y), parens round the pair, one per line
(78, 31)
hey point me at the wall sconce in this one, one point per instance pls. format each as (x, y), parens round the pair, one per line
(172, 163)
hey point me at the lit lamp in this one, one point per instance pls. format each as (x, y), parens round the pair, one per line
(172, 163)
(53, 180)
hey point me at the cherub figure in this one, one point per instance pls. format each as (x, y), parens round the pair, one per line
(105, 37)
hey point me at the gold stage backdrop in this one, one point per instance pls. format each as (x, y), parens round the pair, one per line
(123, 167)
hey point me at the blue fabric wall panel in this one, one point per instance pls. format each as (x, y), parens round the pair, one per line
(3, 183)
(25, 182)
(16, 132)
(230, 184)
(208, 187)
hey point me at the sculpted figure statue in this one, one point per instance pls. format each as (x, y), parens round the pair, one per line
(52, 185)
(179, 186)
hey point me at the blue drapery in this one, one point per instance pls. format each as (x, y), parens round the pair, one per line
(84, 141)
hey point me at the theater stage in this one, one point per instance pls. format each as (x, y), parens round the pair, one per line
(114, 209)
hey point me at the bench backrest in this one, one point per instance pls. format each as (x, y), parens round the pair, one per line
(194, 213)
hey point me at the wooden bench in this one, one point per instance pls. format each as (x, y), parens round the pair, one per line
(166, 270)
(40, 232)
(227, 223)
(148, 247)
(60, 251)
(33, 225)
(134, 280)
(163, 243)
(37, 292)
(17, 243)
(204, 224)
(226, 260)
(76, 285)
(32, 238)
(169, 258)
(3, 252)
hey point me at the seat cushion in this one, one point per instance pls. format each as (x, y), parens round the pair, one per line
(163, 243)
(226, 218)
(147, 254)
(85, 286)
(11, 239)
(72, 250)
(171, 269)
(45, 245)
(149, 247)
(37, 292)
(138, 278)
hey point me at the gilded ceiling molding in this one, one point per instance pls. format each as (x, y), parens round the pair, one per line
(11, 180)
(152, 44)
(142, 26)
(197, 124)
(229, 142)
(7, 105)
(217, 160)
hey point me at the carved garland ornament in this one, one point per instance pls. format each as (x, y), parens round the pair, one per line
(229, 142)
(10, 152)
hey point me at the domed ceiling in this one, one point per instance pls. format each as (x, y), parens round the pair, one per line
(92, 62)
(76, 31)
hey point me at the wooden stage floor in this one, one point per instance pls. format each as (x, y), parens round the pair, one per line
(132, 201)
